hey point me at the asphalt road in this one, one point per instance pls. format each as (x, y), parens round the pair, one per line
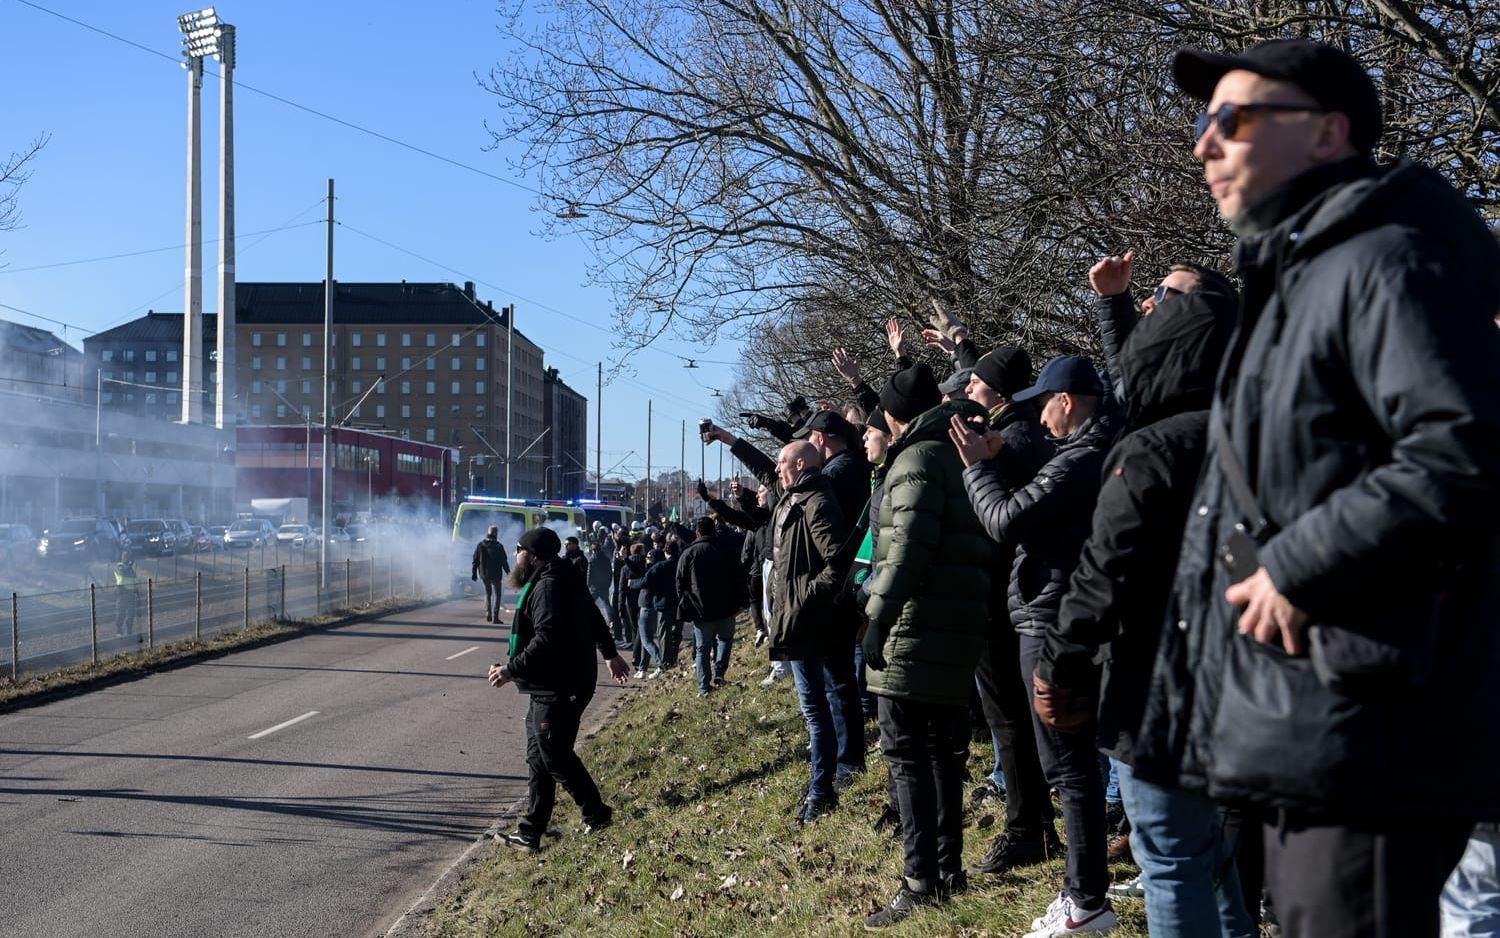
(314, 787)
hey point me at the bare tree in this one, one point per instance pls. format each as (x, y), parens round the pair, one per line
(14, 171)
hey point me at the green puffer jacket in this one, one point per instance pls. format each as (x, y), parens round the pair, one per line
(932, 568)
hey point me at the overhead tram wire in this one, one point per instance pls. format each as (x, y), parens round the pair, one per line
(170, 247)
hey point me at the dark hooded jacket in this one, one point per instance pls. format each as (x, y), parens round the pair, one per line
(1117, 596)
(558, 628)
(490, 562)
(1362, 393)
(932, 561)
(708, 585)
(1045, 521)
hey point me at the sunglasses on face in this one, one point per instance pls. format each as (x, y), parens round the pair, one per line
(1163, 291)
(1230, 118)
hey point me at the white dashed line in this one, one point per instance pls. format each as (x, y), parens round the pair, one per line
(462, 653)
(282, 726)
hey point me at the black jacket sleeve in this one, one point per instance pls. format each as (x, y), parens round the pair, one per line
(1008, 516)
(1117, 317)
(749, 519)
(965, 354)
(544, 649)
(760, 465)
(866, 397)
(478, 560)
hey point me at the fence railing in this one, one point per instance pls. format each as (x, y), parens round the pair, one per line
(46, 631)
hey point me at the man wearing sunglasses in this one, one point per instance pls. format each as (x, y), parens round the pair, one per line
(1330, 649)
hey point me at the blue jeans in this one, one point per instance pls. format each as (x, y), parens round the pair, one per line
(997, 777)
(1187, 867)
(812, 694)
(1111, 770)
(650, 649)
(715, 638)
(1471, 900)
(841, 687)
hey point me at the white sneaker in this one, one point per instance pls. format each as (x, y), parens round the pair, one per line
(768, 680)
(1130, 889)
(640, 675)
(1063, 919)
(654, 675)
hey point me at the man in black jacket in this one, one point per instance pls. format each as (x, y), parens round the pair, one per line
(491, 566)
(1336, 617)
(706, 594)
(556, 628)
(1047, 521)
(1118, 594)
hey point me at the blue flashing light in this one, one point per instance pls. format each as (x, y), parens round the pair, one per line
(493, 500)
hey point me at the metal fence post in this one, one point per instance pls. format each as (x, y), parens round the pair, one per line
(247, 597)
(15, 634)
(93, 625)
(348, 575)
(150, 613)
(371, 591)
(390, 575)
(414, 577)
(318, 569)
(198, 606)
(283, 593)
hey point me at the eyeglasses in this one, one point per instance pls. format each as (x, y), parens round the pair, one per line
(1163, 291)
(1229, 116)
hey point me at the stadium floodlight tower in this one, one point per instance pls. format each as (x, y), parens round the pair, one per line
(204, 35)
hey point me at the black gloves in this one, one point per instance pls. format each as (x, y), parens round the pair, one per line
(874, 646)
(702, 490)
(752, 419)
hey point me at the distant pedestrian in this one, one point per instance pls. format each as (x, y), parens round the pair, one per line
(552, 660)
(127, 596)
(490, 567)
(706, 595)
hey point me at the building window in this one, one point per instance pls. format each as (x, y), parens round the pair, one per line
(457, 363)
(457, 340)
(478, 387)
(281, 387)
(281, 340)
(255, 339)
(172, 377)
(255, 363)
(306, 412)
(150, 377)
(355, 340)
(307, 387)
(432, 364)
(150, 354)
(380, 363)
(479, 411)
(107, 397)
(431, 435)
(354, 363)
(307, 340)
(255, 387)
(281, 410)
(306, 363)
(129, 354)
(380, 386)
(174, 399)
(479, 364)
(432, 387)
(432, 340)
(431, 411)
(406, 387)
(171, 355)
(281, 363)
(108, 355)
(380, 411)
(479, 339)
(406, 410)
(150, 397)
(380, 340)
(356, 387)
(255, 411)
(406, 340)
(454, 410)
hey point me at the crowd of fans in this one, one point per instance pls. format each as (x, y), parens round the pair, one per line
(1230, 593)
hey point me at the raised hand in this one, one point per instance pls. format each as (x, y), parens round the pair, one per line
(895, 336)
(935, 339)
(847, 365)
(947, 323)
(1111, 276)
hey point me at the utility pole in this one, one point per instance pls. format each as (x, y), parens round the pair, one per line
(649, 404)
(510, 386)
(192, 307)
(224, 377)
(682, 461)
(327, 404)
(598, 432)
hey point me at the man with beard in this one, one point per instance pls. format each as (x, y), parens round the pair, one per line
(491, 567)
(550, 659)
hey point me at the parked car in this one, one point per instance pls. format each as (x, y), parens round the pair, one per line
(249, 532)
(17, 543)
(149, 536)
(216, 534)
(335, 536)
(361, 533)
(292, 534)
(81, 539)
(182, 535)
(202, 540)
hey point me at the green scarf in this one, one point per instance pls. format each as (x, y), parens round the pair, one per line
(520, 601)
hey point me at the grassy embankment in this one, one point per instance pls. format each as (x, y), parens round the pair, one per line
(705, 845)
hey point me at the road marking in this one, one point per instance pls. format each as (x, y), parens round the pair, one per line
(462, 653)
(282, 726)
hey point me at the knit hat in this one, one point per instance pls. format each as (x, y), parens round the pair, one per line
(541, 542)
(876, 421)
(1006, 370)
(909, 392)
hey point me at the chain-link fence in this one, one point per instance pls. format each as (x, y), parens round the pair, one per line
(45, 631)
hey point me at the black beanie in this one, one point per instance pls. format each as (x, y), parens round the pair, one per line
(541, 542)
(909, 392)
(876, 421)
(1006, 369)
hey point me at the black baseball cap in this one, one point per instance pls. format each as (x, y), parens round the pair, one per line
(1330, 76)
(1069, 374)
(825, 421)
(956, 381)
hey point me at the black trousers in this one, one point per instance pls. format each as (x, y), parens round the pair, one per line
(1360, 879)
(921, 743)
(494, 591)
(1007, 708)
(1070, 761)
(551, 731)
(757, 602)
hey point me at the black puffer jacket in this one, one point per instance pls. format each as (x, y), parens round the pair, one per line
(1045, 521)
(558, 628)
(1117, 596)
(1362, 392)
(708, 587)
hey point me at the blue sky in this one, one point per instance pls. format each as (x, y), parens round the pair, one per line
(112, 179)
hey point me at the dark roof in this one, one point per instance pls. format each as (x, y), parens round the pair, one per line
(23, 338)
(364, 303)
(156, 327)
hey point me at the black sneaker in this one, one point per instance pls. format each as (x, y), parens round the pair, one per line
(518, 841)
(599, 823)
(906, 902)
(889, 821)
(719, 681)
(845, 778)
(812, 810)
(986, 792)
(952, 884)
(1008, 852)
